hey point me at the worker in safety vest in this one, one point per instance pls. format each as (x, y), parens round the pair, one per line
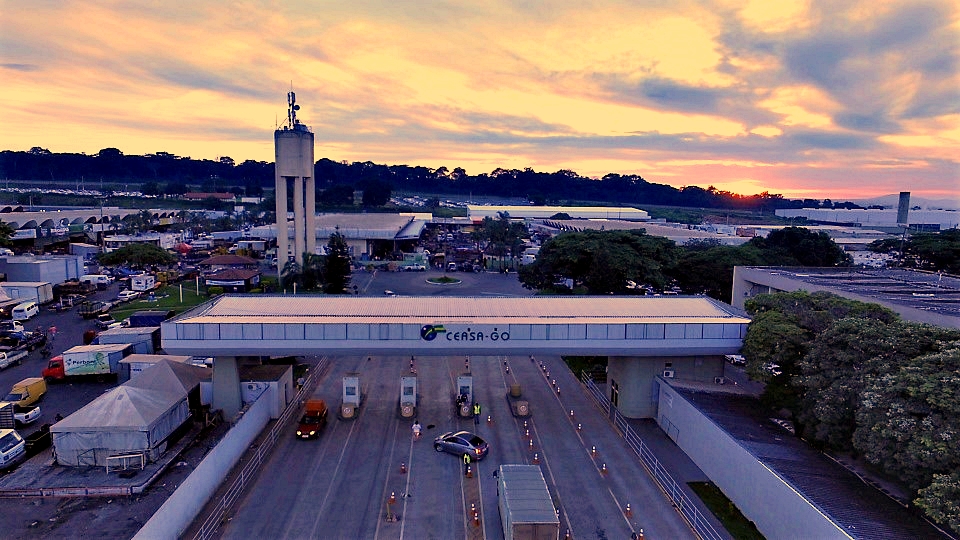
(476, 413)
(466, 463)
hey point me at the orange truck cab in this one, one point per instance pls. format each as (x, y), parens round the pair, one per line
(313, 419)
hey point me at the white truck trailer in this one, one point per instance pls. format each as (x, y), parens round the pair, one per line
(526, 508)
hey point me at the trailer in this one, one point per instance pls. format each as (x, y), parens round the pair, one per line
(40, 292)
(526, 508)
(142, 339)
(143, 282)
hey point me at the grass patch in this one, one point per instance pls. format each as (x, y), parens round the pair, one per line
(166, 298)
(723, 508)
(443, 280)
(590, 364)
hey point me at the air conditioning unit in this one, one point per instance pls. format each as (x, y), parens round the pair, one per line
(668, 374)
(720, 380)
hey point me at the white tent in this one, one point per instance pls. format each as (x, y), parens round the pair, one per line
(130, 419)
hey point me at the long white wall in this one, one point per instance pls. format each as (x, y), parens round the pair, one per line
(182, 507)
(763, 497)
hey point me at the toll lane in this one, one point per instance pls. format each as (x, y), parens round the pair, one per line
(340, 485)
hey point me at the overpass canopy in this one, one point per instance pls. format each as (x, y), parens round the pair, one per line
(258, 325)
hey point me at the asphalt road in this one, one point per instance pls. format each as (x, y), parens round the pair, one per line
(62, 398)
(338, 486)
(415, 284)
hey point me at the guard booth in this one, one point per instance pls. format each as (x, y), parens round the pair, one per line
(464, 398)
(408, 396)
(350, 402)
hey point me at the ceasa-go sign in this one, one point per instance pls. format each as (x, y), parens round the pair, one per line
(430, 332)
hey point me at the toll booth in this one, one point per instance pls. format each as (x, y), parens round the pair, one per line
(408, 396)
(351, 397)
(464, 397)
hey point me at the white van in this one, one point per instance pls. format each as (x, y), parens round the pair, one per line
(12, 448)
(96, 279)
(24, 311)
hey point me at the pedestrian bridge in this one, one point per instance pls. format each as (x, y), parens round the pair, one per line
(258, 325)
(643, 337)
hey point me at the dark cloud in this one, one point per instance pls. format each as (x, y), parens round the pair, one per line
(229, 83)
(21, 67)
(734, 103)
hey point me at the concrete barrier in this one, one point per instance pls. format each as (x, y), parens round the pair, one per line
(182, 507)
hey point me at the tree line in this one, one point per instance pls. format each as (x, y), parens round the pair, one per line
(633, 262)
(163, 173)
(856, 378)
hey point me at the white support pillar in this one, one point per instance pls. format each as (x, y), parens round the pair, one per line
(311, 211)
(281, 195)
(299, 220)
(226, 386)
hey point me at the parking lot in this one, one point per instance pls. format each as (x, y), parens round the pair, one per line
(339, 485)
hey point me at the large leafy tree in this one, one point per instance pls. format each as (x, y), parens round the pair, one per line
(930, 251)
(909, 420)
(138, 255)
(601, 262)
(503, 236)
(707, 268)
(941, 500)
(800, 247)
(784, 326)
(847, 357)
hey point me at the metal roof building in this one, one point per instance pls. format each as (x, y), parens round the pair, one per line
(917, 296)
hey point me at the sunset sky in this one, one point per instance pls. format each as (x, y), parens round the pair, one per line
(834, 98)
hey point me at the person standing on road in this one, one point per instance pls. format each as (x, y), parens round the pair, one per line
(466, 463)
(476, 413)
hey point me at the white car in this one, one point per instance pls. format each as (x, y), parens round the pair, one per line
(125, 296)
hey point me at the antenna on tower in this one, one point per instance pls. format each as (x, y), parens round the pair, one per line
(292, 109)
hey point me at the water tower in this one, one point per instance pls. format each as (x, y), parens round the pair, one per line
(294, 158)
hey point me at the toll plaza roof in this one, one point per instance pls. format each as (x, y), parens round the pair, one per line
(303, 324)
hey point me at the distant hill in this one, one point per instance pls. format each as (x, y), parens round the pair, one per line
(893, 200)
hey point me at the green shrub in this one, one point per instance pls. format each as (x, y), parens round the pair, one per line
(214, 291)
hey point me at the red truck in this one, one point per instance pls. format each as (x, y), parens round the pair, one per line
(313, 419)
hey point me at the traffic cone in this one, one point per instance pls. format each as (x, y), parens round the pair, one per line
(603, 469)
(489, 419)
(469, 472)
(593, 451)
(531, 445)
(579, 427)
(403, 468)
(571, 414)
(393, 498)
(536, 459)
(628, 512)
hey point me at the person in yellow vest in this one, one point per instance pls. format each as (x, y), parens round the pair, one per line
(476, 413)
(466, 463)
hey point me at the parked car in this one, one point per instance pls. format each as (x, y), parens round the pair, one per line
(125, 296)
(460, 443)
(104, 321)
